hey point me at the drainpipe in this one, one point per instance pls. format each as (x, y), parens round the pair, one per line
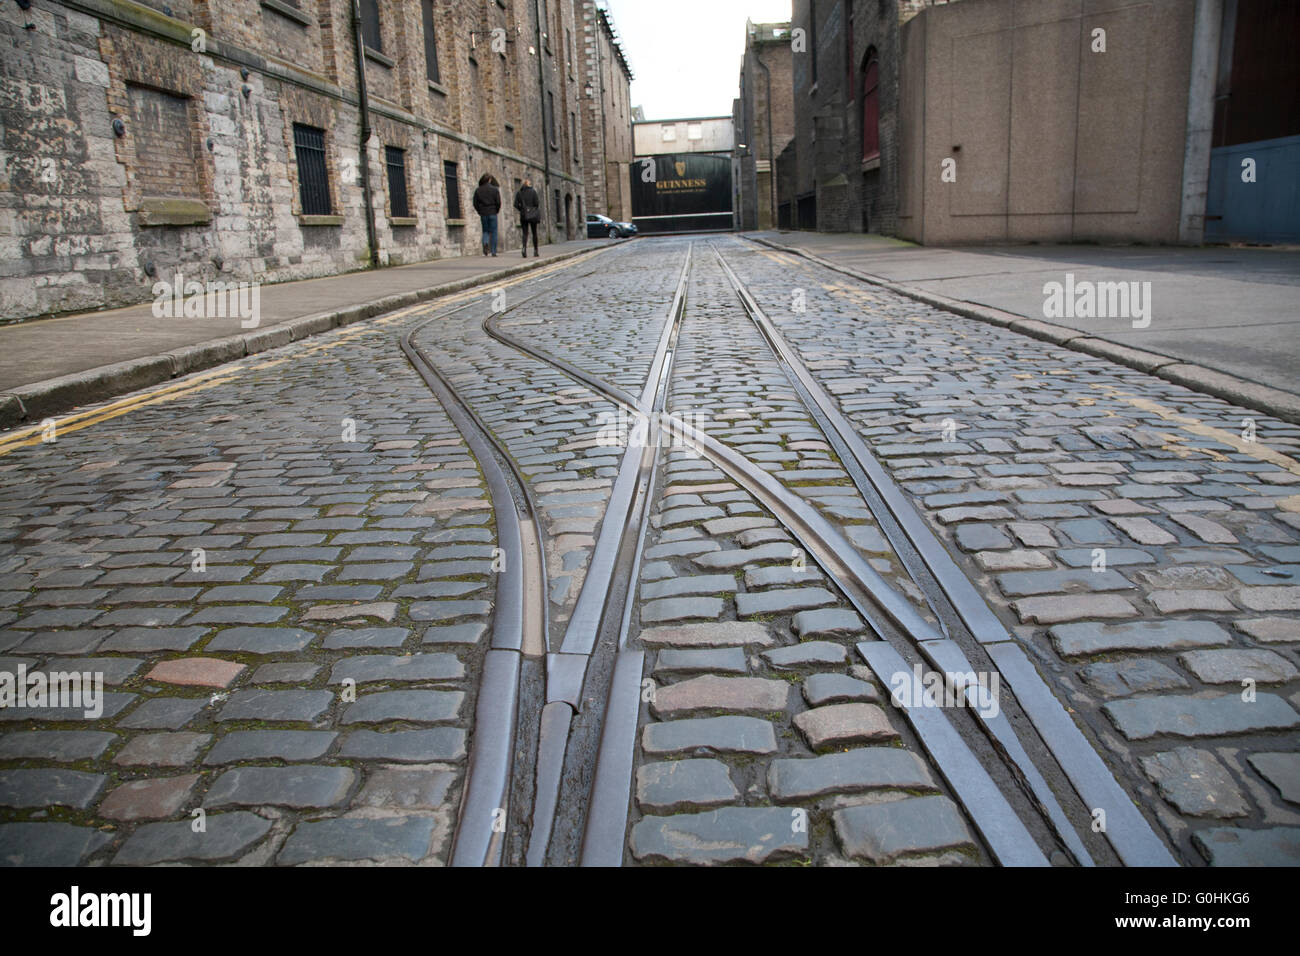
(771, 160)
(541, 91)
(364, 165)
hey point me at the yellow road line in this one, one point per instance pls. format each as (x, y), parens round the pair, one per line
(104, 414)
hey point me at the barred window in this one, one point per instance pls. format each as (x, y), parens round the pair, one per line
(395, 160)
(313, 174)
(451, 176)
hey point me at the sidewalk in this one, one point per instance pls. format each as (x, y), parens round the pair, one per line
(50, 365)
(1234, 312)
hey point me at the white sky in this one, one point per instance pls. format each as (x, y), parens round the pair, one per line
(686, 53)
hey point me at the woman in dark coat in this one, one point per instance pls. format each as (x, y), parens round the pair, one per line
(530, 213)
(487, 203)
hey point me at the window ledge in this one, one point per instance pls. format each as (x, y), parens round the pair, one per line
(438, 88)
(306, 220)
(455, 222)
(288, 11)
(162, 211)
(870, 164)
(380, 58)
(403, 221)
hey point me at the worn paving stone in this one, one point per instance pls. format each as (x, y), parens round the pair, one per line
(299, 787)
(1068, 581)
(276, 705)
(725, 835)
(1132, 676)
(196, 672)
(1267, 599)
(807, 654)
(837, 725)
(693, 584)
(286, 745)
(821, 689)
(286, 672)
(721, 634)
(61, 746)
(48, 787)
(724, 660)
(1180, 716)
(226, 835)
(1015, 560)
(782, 601)
(1195, 783)
(1282, 770)
(177, 749)
(719, 734)
(470, 632)
(1081, 640)
(418, 706)
(670, 786)
(356, 838)
(406, 788)
(381, 610)
(667, 610)
(138, 639)
(1073, 607)
(710, 692)
(346, 638)
(1271, 630)
(865, 768)
(1233, 665)
(1234, 846)
(261, 640)
(1176, 602)
(163, 713)
(154, 799)
(883, 832)
(48, 844)
(405, 746)
(387, 667)
(827, 621)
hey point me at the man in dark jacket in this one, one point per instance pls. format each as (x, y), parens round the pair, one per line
(530, 213)
(487, 203)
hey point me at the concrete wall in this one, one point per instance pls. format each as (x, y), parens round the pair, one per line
(717, 135)
(92, 236)
(1051, 140)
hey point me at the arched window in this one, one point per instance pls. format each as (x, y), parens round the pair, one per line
(870, 106)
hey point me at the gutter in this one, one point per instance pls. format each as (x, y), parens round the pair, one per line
(364, 165)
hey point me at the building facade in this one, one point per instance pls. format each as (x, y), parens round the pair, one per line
(222, 139)
(1053, 121)
(764, 121)
(609, 116)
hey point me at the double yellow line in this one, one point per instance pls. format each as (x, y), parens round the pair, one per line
(33, 434)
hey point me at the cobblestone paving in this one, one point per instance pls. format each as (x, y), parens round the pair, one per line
(290, 616)
(1142, 539)
(560, 434)
(762, 742)
(308, 685)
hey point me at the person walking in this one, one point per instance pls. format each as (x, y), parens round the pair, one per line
(530, 213)
(487, 203)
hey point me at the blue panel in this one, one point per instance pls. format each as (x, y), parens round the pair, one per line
(1267, 210)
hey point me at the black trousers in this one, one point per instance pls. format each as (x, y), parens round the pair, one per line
(533, 227)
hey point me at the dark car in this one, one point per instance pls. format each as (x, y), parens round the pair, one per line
(602, 227)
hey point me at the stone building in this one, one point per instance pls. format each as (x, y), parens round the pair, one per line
(609, 116)
(1052, 121)
(764, 121)
(222, 139)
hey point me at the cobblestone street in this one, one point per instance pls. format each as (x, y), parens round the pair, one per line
(768, 501)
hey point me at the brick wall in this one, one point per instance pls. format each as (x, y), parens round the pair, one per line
(88, 216)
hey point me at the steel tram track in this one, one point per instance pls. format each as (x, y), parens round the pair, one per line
(951, 594)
